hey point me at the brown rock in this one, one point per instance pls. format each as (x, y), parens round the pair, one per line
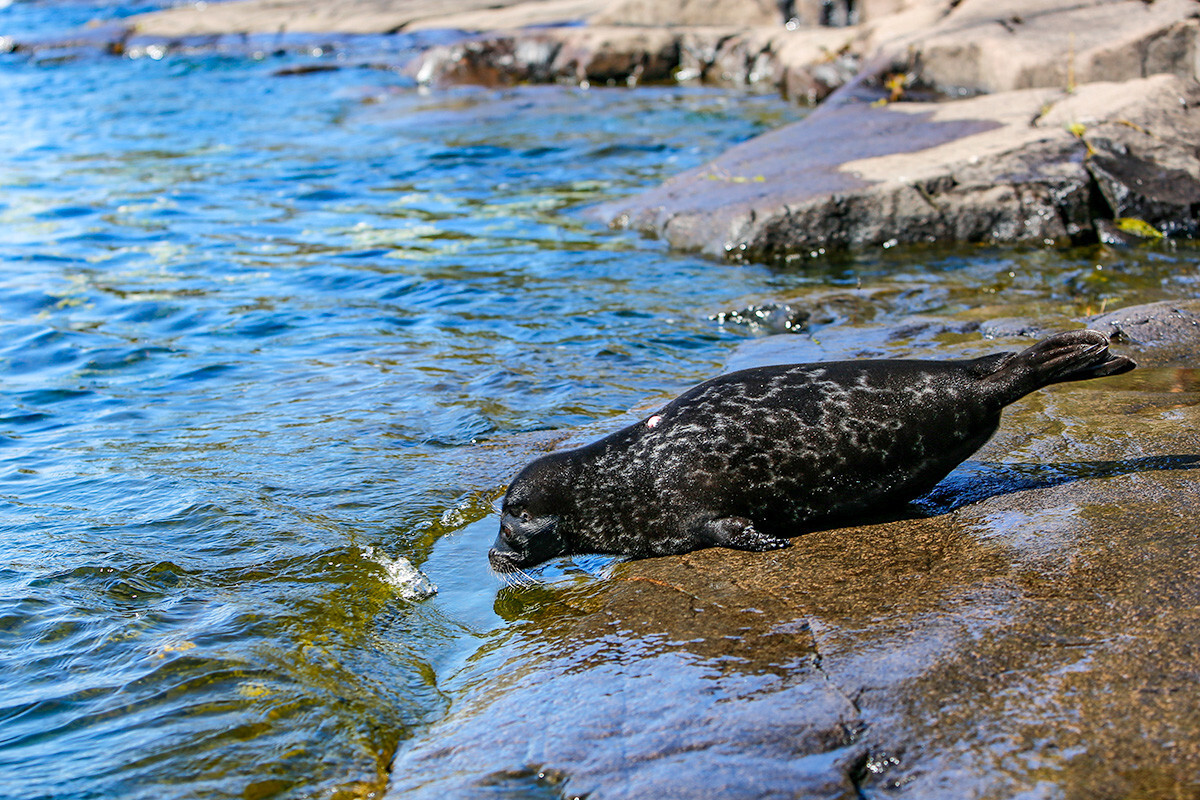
(1031, 632)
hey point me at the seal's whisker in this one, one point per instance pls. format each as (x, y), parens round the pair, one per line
(514, 578)
(522, 578)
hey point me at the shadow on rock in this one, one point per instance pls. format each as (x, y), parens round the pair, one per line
(973, 481)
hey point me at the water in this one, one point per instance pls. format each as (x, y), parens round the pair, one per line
(270, 343)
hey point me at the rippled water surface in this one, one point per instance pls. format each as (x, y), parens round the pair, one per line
(267, 340)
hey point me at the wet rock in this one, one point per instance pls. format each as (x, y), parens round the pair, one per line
(1029, 629)
(772, 317)
(807, 65)
(690, 696)
(1012, 327)
(577, 55)
(819, 310)
(917, 337)
(1011, 167)
(1164, 198)
(1156, 333)
(1117, 234)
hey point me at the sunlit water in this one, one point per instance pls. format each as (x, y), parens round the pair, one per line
(269, 343)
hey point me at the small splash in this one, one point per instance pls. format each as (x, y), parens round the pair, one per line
(408, 581)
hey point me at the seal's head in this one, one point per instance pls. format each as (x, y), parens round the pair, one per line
(532, 529)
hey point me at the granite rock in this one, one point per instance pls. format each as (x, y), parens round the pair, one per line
(1030, 166)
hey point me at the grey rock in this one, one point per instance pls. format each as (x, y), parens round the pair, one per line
(1167, 322)
(1156, 333)
(1012, 167)
(1012, 327)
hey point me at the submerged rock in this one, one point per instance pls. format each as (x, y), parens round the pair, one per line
(772, 317)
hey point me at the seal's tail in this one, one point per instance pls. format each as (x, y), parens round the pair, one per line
(1069, 356)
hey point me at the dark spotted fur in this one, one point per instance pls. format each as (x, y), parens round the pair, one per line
(751, 458)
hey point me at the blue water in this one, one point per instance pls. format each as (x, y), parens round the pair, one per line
(250, 326)
(268, 339)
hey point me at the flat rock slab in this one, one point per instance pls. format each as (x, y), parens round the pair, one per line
(357, 16)
(1030, 630)
(1002, 45)
(1011, 167)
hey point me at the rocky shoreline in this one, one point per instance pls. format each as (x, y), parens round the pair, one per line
(1021, 121)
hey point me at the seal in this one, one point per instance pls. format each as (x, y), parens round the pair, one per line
(751, 458)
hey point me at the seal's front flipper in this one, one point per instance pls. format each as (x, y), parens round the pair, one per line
(739, 533)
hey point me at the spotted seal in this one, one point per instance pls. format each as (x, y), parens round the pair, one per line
(750, 458)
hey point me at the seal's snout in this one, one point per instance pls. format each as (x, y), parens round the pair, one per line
(501, 560)
(525, 540)
(503, 557)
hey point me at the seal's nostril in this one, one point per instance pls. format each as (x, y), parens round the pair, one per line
(502, 560)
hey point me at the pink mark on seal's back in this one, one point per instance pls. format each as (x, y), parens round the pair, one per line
(653, 421)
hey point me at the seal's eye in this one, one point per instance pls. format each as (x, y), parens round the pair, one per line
(525, 515)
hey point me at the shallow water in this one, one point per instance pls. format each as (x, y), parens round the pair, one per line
(268, 341)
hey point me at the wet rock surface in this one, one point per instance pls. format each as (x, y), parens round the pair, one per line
(1028, 628)
(1158, 333)
(772, 317)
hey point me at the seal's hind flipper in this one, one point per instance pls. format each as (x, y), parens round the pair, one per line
(739, 533)
(1068, 356)
(1073, 356)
